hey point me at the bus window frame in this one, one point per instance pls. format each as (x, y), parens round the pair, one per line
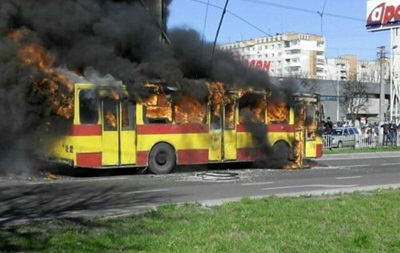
(93, 113)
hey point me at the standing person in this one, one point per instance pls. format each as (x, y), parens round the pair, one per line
(385, 127)
(328, 126)
(393, 133)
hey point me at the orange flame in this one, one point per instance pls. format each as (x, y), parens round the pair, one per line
(189, 110)
(111, 120)
(55, 85)
(277, 112)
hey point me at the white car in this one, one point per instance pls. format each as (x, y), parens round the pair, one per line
(344, 137)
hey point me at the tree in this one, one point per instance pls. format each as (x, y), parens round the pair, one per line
(354, 98)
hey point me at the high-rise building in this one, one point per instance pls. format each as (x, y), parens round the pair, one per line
(286, 55)
(349, 68)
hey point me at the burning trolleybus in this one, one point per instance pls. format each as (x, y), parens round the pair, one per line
(165, 128)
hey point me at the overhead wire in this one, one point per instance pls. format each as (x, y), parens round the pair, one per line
(263, 2)
(322, 18)
(281, 6)
(217, 33)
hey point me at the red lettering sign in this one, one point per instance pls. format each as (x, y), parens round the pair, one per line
(259, 64)
(383, 15)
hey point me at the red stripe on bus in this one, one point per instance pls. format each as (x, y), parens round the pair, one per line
(269, 128)
(142, 158)
(197, 156)
(172, 128)
(90, 160)
(249, 154)
(319, 148)
(84, 130)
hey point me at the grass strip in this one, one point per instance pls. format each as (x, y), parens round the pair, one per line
(354, 222)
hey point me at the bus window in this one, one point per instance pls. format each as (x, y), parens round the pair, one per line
(110, 115)
(128, 115)
(229, 116)
(310, 114)
(88, 108)
(277, 113)
(252, 108)
(157, 109)
(215, 119)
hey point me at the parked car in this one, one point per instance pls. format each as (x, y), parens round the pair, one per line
(345, 137)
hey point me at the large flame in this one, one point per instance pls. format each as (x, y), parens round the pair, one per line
(277, 112)
(53, 82)
(189, 110)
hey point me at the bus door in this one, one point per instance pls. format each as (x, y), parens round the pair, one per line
(229, 132)
(311, 130)
(118, 136)
(215, 151)
(128, 133)
(110, 138)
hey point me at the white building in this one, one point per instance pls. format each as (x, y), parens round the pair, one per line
(349, 68)
(288, 54)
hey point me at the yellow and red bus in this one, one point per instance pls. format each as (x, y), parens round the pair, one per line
(111, 129)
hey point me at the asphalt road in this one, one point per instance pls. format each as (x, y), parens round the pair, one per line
(124, 193)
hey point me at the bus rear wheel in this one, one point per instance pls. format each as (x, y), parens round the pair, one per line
(162, 159)
(281, 155)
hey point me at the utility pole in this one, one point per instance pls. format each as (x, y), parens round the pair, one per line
(382, 84)
(381, 54)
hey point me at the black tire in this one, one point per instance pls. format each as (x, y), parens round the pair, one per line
(280, 155)
(162, 159)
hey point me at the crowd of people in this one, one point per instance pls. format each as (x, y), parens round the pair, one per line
(368, 131)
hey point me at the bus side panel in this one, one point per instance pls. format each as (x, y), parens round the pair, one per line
(215, 150)
(128, 142)
(314, 148)
(59, 149)
(230, 145)
(75, 147)
(245, 144)
(190, 141)
(88, 153)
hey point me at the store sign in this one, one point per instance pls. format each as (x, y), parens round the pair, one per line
(259, 64)
(382, 15)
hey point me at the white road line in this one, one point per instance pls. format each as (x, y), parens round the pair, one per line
(144, 191)
(389, 164)
(257, 183)
(359, 165)
(348, 177)
(311, 185)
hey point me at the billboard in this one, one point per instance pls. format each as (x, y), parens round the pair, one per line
(383, 14)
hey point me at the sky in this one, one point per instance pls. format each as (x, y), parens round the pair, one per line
(341, 22)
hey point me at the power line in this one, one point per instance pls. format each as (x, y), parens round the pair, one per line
(280, 6)
(262, 2)
(322, 18)
(216, 35)
(235, 15)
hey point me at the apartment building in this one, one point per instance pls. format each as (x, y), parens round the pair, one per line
(288, 54)
(349, 68)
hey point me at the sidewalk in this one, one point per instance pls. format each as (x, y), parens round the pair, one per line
(347, 156)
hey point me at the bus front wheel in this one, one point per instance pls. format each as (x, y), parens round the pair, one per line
(162, 159)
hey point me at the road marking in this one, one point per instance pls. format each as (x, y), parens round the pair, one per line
(359, 165)
(310, 185)
(257, 183)
(389, 164)
(348, 177)
(144, 191)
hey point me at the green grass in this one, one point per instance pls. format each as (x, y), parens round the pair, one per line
(356, 222)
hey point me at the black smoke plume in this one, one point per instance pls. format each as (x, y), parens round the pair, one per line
(117, 38)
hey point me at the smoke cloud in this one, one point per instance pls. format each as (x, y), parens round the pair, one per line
(116, 40)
